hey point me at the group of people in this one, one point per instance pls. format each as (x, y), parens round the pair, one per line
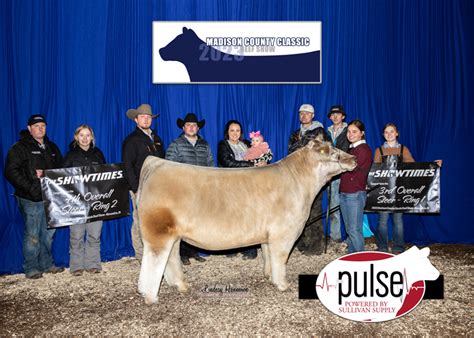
(34, 153)
(348, 191)
(190, 148)
(26, 161)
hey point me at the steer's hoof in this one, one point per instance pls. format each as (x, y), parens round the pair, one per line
(141, 289)
(183, 287)
(149, 300)
(283, 286)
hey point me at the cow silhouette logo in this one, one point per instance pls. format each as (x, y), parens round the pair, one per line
(207, 64)
(375, 286)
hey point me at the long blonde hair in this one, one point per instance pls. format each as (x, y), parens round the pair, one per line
(78, 130)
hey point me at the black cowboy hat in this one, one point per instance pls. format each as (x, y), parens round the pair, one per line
(190, 117)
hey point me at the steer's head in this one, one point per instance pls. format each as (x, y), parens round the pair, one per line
(331, 161)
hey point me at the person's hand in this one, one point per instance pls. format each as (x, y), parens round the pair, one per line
(439, 163)
(261, 164)
(39, 173)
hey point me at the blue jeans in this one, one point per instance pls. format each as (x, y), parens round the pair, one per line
(37, 238)
(381, 234)
(335, 217)
(352, 208)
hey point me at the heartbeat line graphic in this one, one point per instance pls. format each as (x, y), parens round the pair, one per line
(325, 283)
(412, 297)
(415, 287)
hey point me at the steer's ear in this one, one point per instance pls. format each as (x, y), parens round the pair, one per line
(425, 251)
(185, 30)
(310, 144)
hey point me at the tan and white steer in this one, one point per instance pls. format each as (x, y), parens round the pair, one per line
(216, 209)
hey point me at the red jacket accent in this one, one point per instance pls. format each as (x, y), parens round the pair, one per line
(356, 180)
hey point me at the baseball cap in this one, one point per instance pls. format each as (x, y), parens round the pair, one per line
(337, 109)
(307, 107)
(36, 119)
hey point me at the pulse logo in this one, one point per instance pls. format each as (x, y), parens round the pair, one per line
(375, 286)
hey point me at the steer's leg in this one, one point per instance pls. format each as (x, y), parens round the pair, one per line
(279, 252)
(174, 271)
(267, 267)
(151, 272)
(158, 228)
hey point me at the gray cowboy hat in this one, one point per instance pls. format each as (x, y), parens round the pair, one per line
(142, 109)
(190, 117)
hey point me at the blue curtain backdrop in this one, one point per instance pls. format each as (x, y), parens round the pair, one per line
(88, 61)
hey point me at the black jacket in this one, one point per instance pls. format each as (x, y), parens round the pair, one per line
(135, 149)
(226, 157)
(24, 158)
(77, 157)
(297, 141)
(342, 142)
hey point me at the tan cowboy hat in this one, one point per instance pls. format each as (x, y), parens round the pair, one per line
(142, 109)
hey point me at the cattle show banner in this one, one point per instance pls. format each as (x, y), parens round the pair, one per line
(84, 194)
(408, 187)
(237, 52)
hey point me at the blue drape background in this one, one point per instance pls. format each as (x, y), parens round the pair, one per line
(88, 61)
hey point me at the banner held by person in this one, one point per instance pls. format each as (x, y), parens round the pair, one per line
(84, 194)
(408, 187)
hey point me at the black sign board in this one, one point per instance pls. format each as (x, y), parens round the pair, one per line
(408, 187)
(84, 194)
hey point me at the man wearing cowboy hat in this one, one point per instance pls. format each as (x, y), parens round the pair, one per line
(311, 242)
(190, 148)
(135, 148)
(338, 134)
